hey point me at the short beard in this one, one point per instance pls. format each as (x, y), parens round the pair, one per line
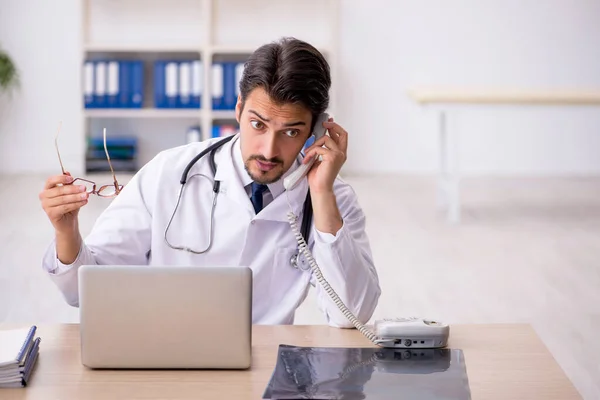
(260, 179)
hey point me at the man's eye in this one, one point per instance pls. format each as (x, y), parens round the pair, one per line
(257, 124)
(291, 133)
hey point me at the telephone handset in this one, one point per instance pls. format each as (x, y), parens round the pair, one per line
(292, 179)
(389, 333)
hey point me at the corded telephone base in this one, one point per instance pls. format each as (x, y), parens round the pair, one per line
(397, 333)
(411, 333)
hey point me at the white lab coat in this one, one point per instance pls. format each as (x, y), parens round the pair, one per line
(131, 232)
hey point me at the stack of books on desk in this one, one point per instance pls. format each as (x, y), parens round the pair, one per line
(18, 354)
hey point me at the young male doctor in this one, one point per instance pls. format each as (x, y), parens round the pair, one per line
(284, 88)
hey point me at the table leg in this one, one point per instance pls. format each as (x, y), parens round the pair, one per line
(449, 180)
(454, 174)
(442, 185)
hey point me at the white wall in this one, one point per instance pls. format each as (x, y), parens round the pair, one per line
(510, 43)
(43, 39)
(473, 43)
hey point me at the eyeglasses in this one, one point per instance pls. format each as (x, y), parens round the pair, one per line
(90, 186)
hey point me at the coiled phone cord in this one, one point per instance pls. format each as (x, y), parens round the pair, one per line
(303, 248)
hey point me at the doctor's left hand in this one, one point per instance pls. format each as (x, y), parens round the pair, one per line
(323, 173)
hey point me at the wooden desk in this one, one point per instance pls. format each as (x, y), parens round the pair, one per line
(444, 100)
(503, 362)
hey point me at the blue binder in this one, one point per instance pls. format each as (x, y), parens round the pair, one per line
(137, 84)
(166, 84)
(160, 99)
(88, 84)
(112, 84)
(26, 344)
(30, 362)
(172, 84)
(100, 100)
(229, 84)
(184, 84)
(124, 96)
(218, 86)
(197, 83)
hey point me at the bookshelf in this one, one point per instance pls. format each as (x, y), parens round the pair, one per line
(205, 30)
(143, 113)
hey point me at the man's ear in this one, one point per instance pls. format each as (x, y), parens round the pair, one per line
(238, 108)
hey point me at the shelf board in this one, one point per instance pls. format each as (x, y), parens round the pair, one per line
(173, 48)
(155, 113)
(232, 49)
(246, 49)
(223, 114)
(142, 113)
(141, 48)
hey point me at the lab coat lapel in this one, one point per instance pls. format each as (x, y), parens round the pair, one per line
(231, 185)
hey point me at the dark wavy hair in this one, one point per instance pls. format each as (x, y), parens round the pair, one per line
(290, 71)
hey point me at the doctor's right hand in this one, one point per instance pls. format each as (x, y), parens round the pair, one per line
(61, 201)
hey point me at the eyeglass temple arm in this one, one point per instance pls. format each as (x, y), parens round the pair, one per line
(109, 163)
(56, 145)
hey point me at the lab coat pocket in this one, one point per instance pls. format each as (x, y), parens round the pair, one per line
(288, 283)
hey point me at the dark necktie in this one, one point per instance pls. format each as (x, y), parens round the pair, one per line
(257, 196)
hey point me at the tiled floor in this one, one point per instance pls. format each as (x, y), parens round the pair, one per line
(527, 250)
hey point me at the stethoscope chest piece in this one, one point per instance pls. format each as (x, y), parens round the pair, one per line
(299, 262)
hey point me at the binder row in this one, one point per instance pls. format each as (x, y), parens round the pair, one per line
(176, 84)
(226, 78)
(179, 85)
(113, 84)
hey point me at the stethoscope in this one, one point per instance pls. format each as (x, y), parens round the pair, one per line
(295, 260)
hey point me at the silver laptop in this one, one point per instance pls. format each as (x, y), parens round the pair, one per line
(165, 317)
